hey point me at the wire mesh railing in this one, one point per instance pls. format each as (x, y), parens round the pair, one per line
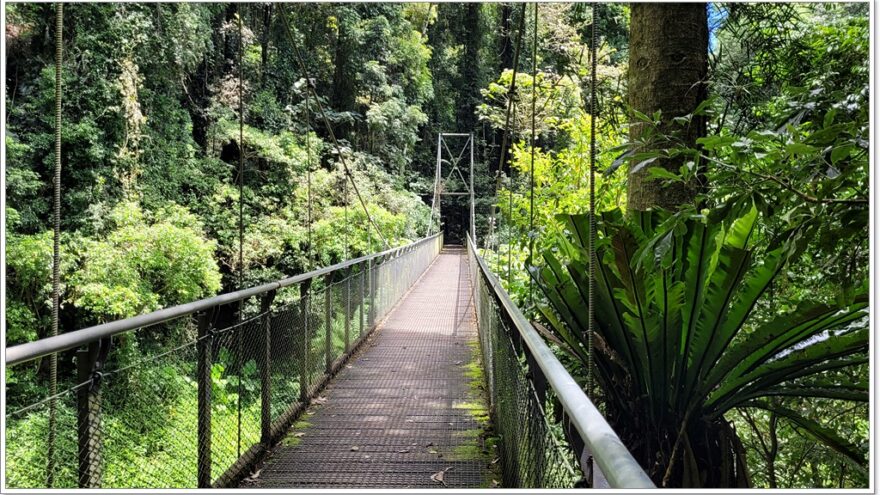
(550, 434)
(192, 396)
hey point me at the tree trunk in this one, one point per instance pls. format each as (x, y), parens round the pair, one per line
(344, 89)
(773, 451)
(470, 68)
(264, 41)
(667, 72)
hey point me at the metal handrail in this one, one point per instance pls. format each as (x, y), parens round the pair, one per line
(614, 459)
(65, 341)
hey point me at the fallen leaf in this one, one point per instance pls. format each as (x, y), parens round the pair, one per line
(299, 434)
(458, 362)
(319, 400)
(439, 475)
(495, 483)
(432, 451)
(355, 448)
(403, 451)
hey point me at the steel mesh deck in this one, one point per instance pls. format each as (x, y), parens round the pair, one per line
(404, 409)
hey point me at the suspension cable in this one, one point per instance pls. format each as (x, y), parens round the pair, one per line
(56, 248)
(532, 159)
(511, 224)
(240, 206)
(592, 238)
(302, 65)
(309, 254)
(240, 154)
(504, 135)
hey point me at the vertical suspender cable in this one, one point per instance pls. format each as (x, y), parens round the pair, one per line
(240, 209)
(289, 31)
(511, 225)
(240, 158)
(504, 137)
(592, 239)
(532, 160)
(309, 266)
(56, 249)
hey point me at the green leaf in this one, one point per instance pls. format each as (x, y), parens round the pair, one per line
(794, 149)
(840, 153)
(829, 117)
(662, 173)
(716, 141)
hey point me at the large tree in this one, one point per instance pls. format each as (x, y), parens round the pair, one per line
(667, 73)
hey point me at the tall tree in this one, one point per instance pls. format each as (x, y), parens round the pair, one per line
(669, 46)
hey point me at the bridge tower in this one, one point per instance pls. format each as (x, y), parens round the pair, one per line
(453, 183)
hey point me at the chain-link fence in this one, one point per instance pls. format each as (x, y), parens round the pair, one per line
(541, 426)
(194, 398)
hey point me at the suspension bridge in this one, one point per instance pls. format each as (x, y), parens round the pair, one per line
(407, 368)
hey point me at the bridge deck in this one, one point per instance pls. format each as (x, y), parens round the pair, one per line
(408, 407)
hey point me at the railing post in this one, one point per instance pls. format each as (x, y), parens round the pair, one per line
(370, 312)
(363, 301)
(328, 323)
(304, 293)
(348, 311)
(88, 409)
(266, 369)
(205, 351)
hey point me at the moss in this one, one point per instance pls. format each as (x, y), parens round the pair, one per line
(479, 443)
(291, 441)
(466, 452)
(472, 433)
(491, 442)
(294, 435)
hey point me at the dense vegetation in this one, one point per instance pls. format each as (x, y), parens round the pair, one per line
(748, 299)
(768, 246)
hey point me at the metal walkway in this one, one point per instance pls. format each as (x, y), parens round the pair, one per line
(409, 411)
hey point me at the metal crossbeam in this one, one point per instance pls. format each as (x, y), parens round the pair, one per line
(440, 182)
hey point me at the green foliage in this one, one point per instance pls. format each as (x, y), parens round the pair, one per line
(784, 455)
(556, 100)
(151, 114)
(29, 285)
(680, 344)
(144, 265)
